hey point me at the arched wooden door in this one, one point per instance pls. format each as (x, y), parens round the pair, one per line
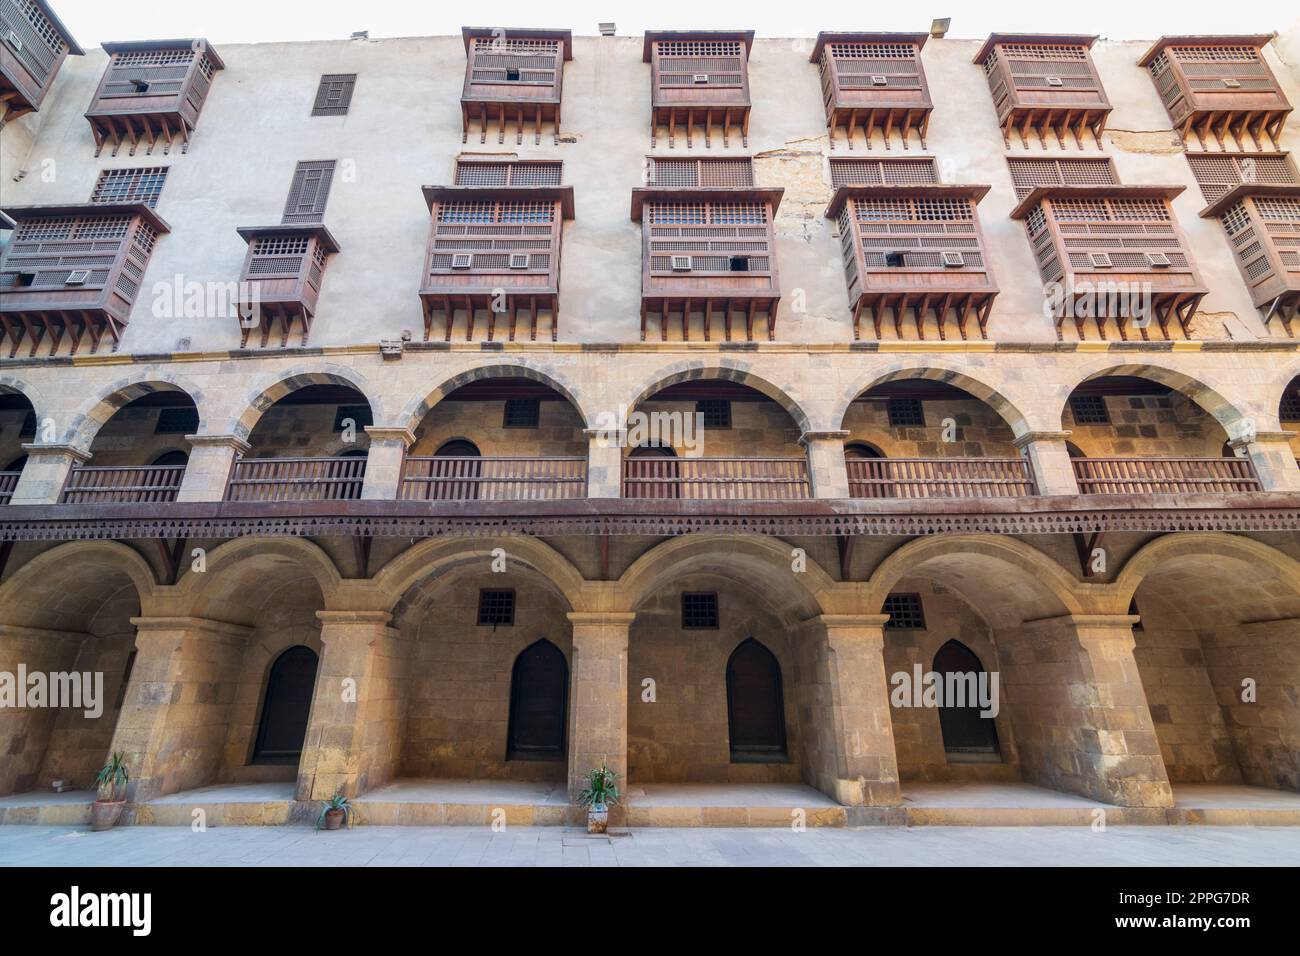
(539, 704)
(286, 707)
(459, 471)
(755, 705)
(965, 732)
(653, 472)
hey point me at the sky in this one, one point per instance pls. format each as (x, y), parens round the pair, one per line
(250, 21)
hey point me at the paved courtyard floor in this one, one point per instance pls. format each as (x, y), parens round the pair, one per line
(560, 846)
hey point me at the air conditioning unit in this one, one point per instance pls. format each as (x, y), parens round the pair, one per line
(1054, 81)
(1099, 260)
(700, 78)
(79, 277)
(1231, 82)
(878, 80)
(952, 260)
(518, 260)
(681, 263)
(15, 41)
(1157, 260)
(462, 260)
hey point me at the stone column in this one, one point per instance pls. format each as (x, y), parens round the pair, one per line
(598, 699)
(354, 733)
(207, 473)
(384, 462)
(175, 718)
(1049, 462)
(1081, 716)
(604, 464)
(826, 468)
(45, 473)
(25, 731)
(849, 743)
(1273, 458)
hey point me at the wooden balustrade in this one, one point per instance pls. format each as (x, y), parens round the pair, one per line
(1164, 476)
(102, 484)
(455, 478)
(8, 482)
(717, 479)
(297, 479)
(939, 478)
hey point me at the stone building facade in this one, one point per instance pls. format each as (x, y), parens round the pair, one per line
(1107, 518)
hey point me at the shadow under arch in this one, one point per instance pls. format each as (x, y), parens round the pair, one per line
(694, 372)
(968, 383)
(414, 412)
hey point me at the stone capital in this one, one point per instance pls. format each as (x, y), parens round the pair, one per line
(385, 433)
(1266, 438)
(832, 435)
(219, 441)
(78, 455)
(621, 619)
(377, 618)
(1030, 438)
(205, 627)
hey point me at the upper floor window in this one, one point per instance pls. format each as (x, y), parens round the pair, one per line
(1026, 174)
(130, 185)
(334, 94)
(883, 172)
(507, 172)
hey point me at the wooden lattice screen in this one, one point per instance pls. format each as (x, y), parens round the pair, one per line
(72, 272)
(735, 172)
(699, 80)
(1045, 83)
(508, 172)
(1217, 173)
(1263, 225)
(334, 95)
(883, 172)
(309, 192)
(152, 93)
(33, 45)
(513, 77)
(873, 81)
(1212, 86)
(1028, 173)
(130, 185)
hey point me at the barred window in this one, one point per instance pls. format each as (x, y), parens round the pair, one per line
(280, 246)
(1291, 404)
(477, 172)
(906, 412)
(521, 413)
(334, 95)
(716, 412)
(177, 421)
(905, 611)
(130, 185)
(496, 607)
(1089, 410)
(1028, 173)
(699, 610)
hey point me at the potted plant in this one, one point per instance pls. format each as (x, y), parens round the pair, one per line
(336, 810)
(111, 784)
(600, 795)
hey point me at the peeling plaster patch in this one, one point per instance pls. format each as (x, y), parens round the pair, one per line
(1146, 140)
(799, 167)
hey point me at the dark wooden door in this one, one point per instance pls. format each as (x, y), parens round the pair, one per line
(539, 698)
(964, 730)
(755, 704)
(286, 707)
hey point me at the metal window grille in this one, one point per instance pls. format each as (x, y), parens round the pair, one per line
(177, 421)
(130, 185)
(496, 607)
(1089, 410)
(699, 610)
(906, 413)
(1291, 404)
(521, 413)
(716, 412)
(905, 611)
(334, 95)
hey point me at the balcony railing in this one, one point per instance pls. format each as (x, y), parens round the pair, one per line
(8, 482)
(939, 478)
(451, 478)
(716, 479)
(297, 479)
(101, 484)
(1164, 476)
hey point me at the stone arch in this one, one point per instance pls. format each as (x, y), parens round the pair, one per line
(416, 409)
(745, 559)
(437, 557)
(984, 569)
(50, 572)
(1209, 399)
(230, 565)
(263, 396)
(1008, 410)
(16, 386)
(81, 429)
(697, 371)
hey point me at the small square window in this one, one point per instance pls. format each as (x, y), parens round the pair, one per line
(906, 413)
(699, 610)
(334, 94)
(496, 607)
(360, 415)
(522, 413)
(1291, 405)
(1089, 410)
(177, 421)
(905, 611)
(716, 412)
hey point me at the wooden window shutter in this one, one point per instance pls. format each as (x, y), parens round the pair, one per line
(309, 192)
(334, 94)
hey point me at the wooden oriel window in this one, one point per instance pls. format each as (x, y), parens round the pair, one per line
(1113, 256)
(514, 79)
(71, 273)
(1217, 173)
(914, 254)
(699, 81)
(152, 93)
(334, 95)
(873, 81)
(1045, 83)
(1217, 86)
(33, 45)
(1262, 221)
(130, 185)
(495, 248)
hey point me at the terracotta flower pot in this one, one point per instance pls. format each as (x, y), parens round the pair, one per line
(598, 819)
(104, 814)
(333, 819)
